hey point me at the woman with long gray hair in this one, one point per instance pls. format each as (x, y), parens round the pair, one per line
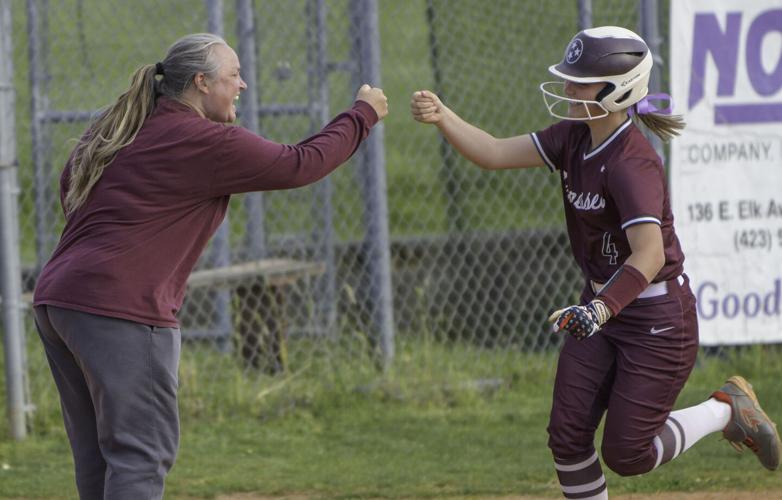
(143, 191)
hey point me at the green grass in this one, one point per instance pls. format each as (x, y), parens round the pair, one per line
(445, 421)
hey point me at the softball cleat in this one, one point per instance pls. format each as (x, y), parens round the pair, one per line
(749, 425)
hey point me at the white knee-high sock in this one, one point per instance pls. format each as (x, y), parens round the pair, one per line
(582, 479)
(686, 427)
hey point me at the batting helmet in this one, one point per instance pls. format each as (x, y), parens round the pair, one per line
(609, 54)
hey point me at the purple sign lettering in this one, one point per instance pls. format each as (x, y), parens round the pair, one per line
(723, 45)
(763, 83)
(713, 303)
(747, 113)
(724, 48)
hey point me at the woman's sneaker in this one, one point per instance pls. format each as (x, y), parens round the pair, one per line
(749, 425)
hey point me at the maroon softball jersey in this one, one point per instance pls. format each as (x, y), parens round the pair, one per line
(128, 250)
(633, 369)
(606, 190)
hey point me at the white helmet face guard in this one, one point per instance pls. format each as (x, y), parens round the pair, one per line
(558, 104)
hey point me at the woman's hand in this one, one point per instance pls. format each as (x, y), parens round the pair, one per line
(375, 97)
(426, 107)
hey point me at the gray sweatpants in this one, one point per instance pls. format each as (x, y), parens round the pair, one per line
(118, 389)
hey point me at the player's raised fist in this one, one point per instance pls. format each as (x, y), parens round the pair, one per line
(426, 107)
(375, 97)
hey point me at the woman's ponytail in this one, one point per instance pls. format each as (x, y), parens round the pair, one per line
(114, 129)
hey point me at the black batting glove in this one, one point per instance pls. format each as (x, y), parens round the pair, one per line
(580, 321)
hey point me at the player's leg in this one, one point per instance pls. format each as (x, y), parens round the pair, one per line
(683, 428)
(77, 409)
(649, 378)
(734, 409)
(131, 372)
(584, 377)
(657, 343)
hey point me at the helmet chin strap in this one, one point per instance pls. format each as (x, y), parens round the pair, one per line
(607, 89)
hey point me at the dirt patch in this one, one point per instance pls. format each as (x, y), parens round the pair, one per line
(715, 495)
(712, 495)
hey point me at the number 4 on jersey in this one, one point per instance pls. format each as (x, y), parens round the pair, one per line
(609, 249)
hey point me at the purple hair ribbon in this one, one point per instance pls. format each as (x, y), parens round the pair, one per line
(645, 107)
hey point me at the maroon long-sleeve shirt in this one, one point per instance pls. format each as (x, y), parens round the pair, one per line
(128, 250)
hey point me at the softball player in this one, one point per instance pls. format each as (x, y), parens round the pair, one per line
(143, 192)
(634, 336)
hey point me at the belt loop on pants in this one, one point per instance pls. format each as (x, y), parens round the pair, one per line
(653, 290)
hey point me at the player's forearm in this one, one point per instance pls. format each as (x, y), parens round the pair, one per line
(473, 143)
(648, 262)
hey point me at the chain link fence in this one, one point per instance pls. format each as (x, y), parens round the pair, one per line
(449, 266)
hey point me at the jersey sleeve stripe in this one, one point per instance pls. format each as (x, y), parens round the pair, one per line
(639, 220)
(542, 153)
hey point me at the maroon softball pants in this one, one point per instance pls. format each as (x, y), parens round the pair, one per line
(632, 371)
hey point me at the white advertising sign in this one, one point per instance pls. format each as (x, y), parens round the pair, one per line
(726, 167)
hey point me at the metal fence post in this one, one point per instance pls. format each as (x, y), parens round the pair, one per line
(38, 41)
(650, 31)
(220, 251)
(11, 275)
(248, 110)
(373, 179)
(584, 14)
(323, 191)
(214, 16)
(449, 173)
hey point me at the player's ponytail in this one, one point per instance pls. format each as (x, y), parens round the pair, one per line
(663, 126)
(119, 124)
